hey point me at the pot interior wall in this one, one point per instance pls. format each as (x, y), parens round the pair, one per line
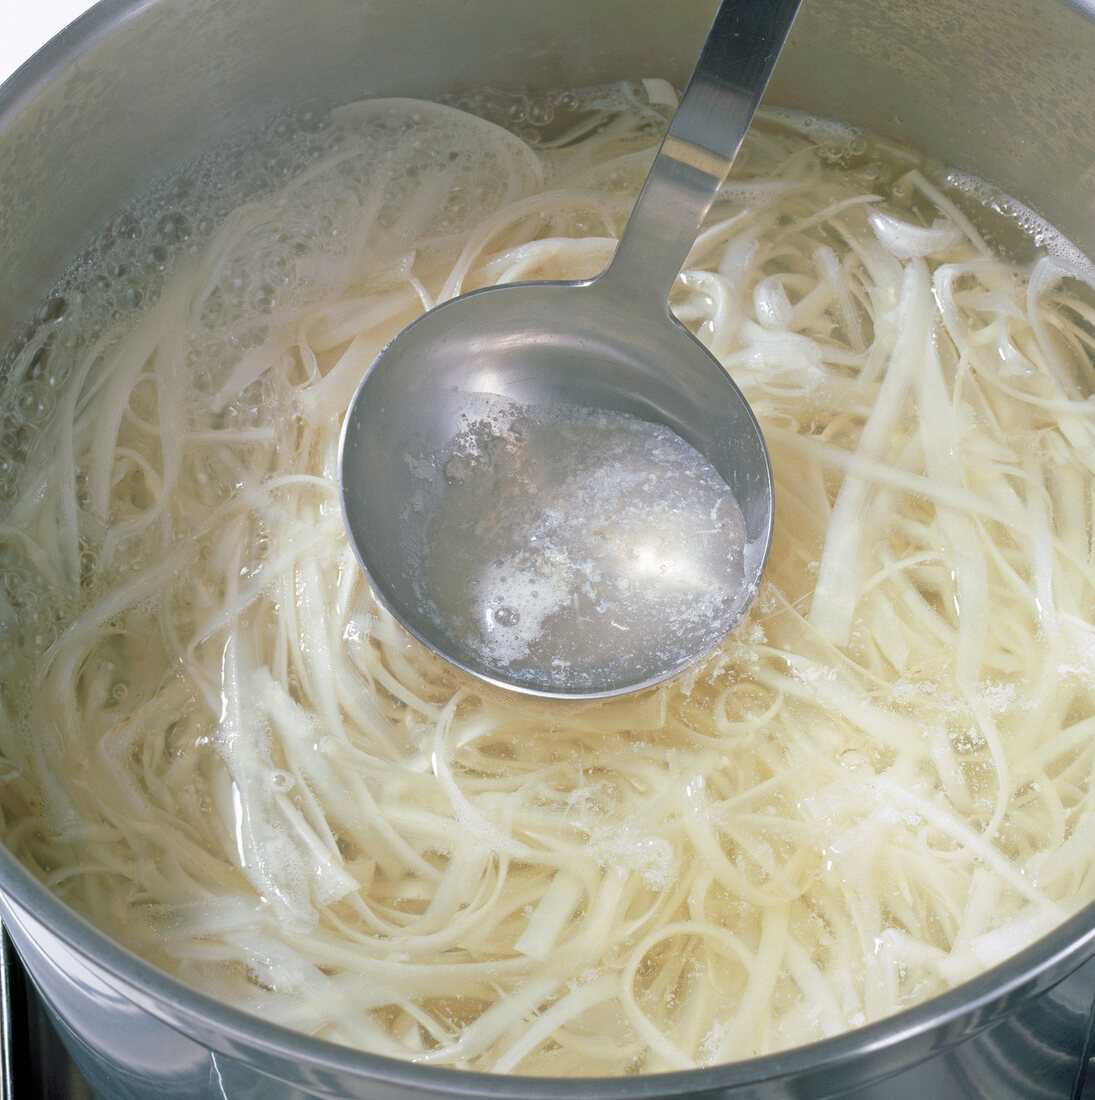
(1000, 88)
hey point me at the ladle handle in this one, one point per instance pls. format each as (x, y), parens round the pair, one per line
(698, 149)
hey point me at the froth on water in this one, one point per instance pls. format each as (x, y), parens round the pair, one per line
(577, 546)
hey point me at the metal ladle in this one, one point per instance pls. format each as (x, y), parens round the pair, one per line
(480, 389)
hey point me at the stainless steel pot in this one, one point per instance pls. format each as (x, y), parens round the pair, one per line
(999, 88)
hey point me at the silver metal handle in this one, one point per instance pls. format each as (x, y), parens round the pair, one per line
(704, 137)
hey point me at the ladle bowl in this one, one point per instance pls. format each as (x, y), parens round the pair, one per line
(512, 348)
(610, 345)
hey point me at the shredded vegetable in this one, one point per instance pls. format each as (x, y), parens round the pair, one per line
(221, 749)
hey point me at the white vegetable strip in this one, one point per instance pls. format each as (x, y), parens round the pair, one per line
(216, 744)
(833, 603)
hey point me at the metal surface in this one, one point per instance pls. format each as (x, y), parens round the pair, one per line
(608, 344)
(1019, 1031)
(7, 1087)
(1001, 88)
(36, 1065)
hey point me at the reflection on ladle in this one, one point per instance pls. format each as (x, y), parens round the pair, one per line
(554, 485)
(568, 540)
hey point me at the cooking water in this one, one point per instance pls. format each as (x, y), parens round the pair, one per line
(568, 543)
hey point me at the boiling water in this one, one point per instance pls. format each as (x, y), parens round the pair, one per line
(215, 745)
(582, 532)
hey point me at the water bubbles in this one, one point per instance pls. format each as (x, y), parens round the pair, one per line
(49, 365)
(312, 117)
(235, 282)
(181, 187)
(129, 298)
(35, 636)
(125, 227)
(517, 111)
(282, 130)
(98, 286)
(278, 265)
(541, 112)
(279, 166)
(121, 272)
(174, 227)
(16, 436)
(83, 495)
(52, 310)
(506, 616)
(89, 564)
(34, 401)
(11, 582)
(207, 222)
(155, 259)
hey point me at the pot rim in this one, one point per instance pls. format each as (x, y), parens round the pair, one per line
(925, 1029)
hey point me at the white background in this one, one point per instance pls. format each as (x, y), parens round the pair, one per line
(25, 25)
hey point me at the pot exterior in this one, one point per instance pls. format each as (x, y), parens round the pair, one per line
(999, 88)
(1033, 1049)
